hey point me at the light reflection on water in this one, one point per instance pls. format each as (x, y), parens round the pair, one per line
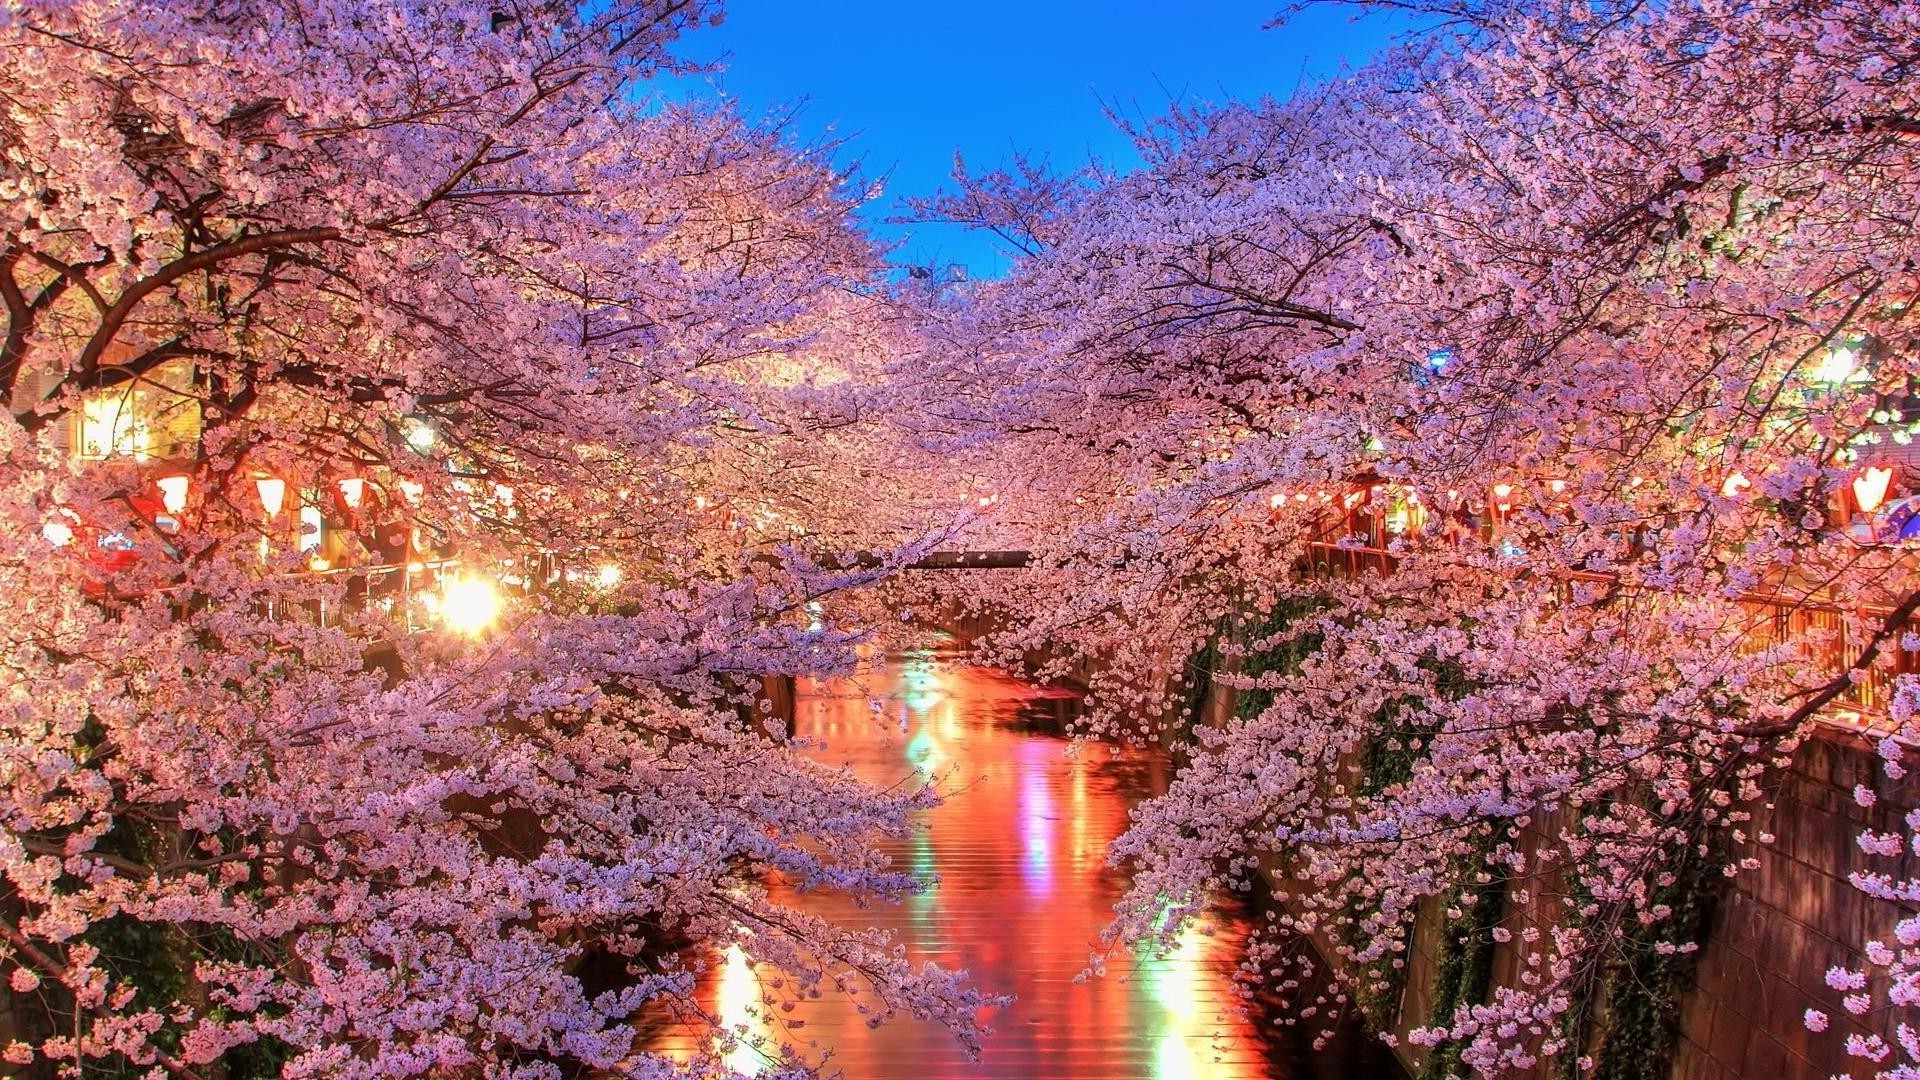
(1024, 891)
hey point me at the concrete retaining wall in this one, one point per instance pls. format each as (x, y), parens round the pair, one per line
(1773, 934)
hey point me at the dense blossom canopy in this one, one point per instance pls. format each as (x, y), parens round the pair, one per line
(1588, 321)
(1601, 310)
(438, 277)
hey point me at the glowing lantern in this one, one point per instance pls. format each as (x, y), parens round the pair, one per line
(1277, 500)
(352, 491)
(1735, 485)
(273, 494)
(57, 532)
(1558, 486)
(608, 577)
(173, 492)
(469, 605)
(1503, 496)
(1870, 488)
(411, 491)
(313, 528)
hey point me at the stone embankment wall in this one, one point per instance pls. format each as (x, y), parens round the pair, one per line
(1776, 930)
(1770, 936)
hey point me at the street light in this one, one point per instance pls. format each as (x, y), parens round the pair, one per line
(419, 434)
(469, 605)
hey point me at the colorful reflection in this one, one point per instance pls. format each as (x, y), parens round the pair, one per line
(1037, 818)
(1019, 850)
(746, 1038)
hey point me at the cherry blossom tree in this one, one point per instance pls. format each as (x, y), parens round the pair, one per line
(1619, 296)
(446, 271)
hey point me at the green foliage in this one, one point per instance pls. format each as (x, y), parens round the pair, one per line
(1282, 657)
(1465, 973)
(1631, 1023)
(1199, 671)
(156, 961)
(1241, 633)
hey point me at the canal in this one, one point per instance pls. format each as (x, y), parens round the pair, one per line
(1019, 850)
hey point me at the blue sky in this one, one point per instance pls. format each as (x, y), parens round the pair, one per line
(906, 84)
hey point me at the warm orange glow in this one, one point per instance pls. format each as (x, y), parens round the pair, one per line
(273, 494)
(1558, 486)
(469, 605)
(1870, 488)
(173, 492)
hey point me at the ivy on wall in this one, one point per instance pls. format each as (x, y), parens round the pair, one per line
(1464, 969)
(1629, 1023)
(155, 961)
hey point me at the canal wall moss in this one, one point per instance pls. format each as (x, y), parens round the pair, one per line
(1767, 936)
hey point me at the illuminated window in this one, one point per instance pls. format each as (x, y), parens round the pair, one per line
(116, 424)
(154, 417)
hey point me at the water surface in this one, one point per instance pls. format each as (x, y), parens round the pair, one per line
(1019, 847)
